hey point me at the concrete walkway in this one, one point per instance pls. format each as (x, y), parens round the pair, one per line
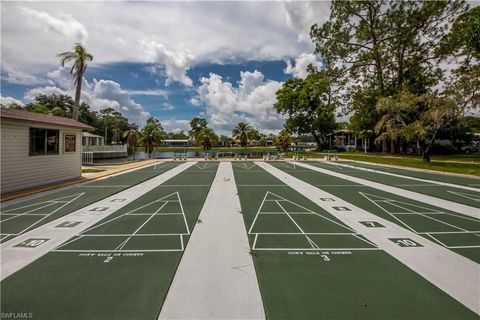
(28, 247)
(216, 277)
(437, 202)
(454, 274)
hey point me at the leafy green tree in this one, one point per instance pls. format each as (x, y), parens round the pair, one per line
(308, 105)
(415, 118)
(283, 140)
(206, 138)
(384, 47)
(243, 133)
(196, 124)
(80, 57)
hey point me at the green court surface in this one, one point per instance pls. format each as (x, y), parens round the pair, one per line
(453, 230)
(467, 197)
(311, 266)
(120, 268)
(449, 178)
(19, 218)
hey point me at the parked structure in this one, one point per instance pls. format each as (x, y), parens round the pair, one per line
(347, 140)
(38, 149)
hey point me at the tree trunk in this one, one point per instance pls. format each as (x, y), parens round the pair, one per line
(392, 146)
(76, 105)
(317, 140)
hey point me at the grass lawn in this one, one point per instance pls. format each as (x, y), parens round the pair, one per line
(465, 164)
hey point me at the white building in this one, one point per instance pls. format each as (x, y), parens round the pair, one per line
(177, 143)
(89, 139)
(38, 149)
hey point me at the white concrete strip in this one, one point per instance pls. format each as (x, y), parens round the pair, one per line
(454, 274)
(441, 203)
(28, 247)
(216, 277)
(452, 185)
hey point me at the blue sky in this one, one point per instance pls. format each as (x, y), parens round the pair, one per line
(223, 61)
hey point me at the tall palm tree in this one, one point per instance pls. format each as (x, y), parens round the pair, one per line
(283, 140)
(206, 137)
(150, 137)
(132, 136)
(242, 133)
(80, 57)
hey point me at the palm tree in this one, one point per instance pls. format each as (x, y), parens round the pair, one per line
(80, 57)
(150, 137)
(206, 137)
(283, 140)
(242, 133)
(132, 136)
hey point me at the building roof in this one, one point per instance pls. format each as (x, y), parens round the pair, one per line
(90, 135)
(26, 116)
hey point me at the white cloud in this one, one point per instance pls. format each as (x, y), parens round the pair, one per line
(167, 106)
(16, 76)
(64, 24)
(301, 15)
(149, 92)
(6, 101)
(175, 125)
(299, 69)
(251, 101)
(99, 95)
(194, 101)
(212, 31)
(175, 64)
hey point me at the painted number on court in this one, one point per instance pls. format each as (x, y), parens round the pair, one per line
(372, 224)
(68, 224)
(327, 199)
(31, 243)
(99, 209)
(118, 200)
(405, 242)
(342, 208)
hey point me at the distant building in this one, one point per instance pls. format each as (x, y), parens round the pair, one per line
(89, 139)
(177, 143)
(38, 149)
(346, 140)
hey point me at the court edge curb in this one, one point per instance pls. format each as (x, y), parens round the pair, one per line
(70, 183)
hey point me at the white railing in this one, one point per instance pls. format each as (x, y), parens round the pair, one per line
(87, 157)
(105, 148)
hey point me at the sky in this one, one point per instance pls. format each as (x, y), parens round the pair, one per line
(222, 61)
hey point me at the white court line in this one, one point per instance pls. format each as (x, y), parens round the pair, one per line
(454, 274)
(466, 195)
(408, 177)
(436, 202)
(15, 258)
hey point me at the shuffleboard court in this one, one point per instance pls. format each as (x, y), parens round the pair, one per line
(458, 195)
(441, 177)
(120, 268)
(23, 216)
(310, 265)
(452, 230)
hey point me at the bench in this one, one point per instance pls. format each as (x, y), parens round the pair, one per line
(329, 155)
(180, 155)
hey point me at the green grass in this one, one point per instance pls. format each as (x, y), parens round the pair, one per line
(91, 170)
(100, 164)
(438, 163)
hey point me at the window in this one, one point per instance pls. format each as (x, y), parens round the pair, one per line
(43, 141)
